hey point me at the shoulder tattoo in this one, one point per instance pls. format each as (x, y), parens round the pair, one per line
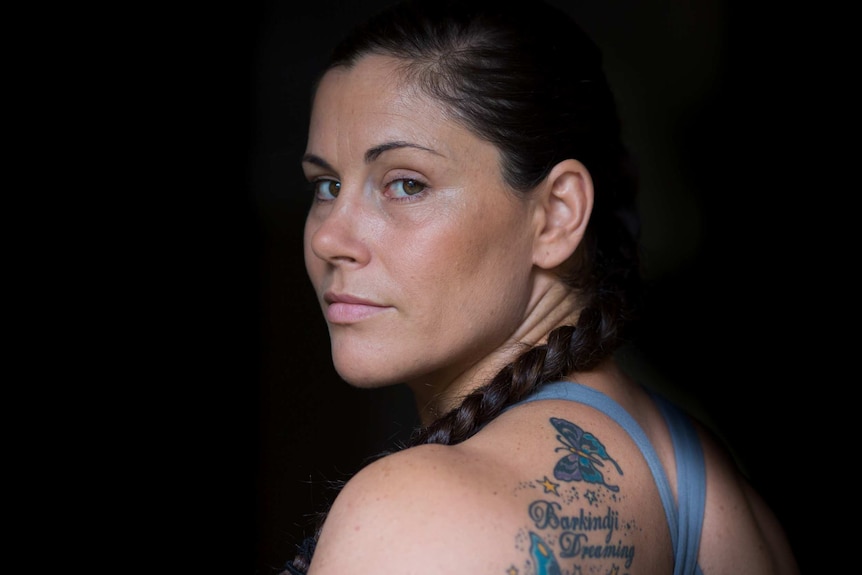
(574, 524)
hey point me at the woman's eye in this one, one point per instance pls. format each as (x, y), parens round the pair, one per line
(326, 189)
(407, 187)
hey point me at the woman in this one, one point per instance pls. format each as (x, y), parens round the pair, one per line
(473, 236)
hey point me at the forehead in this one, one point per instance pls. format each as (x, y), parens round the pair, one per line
(374, 79)
(375, 97)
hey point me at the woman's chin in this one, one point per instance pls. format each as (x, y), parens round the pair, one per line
(364, 379)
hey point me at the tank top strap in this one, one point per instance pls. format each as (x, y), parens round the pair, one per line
(691, 480)
(685, 536)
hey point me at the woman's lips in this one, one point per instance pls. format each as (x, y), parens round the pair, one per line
(346, 309)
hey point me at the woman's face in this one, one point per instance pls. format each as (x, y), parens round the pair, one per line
(420, 255)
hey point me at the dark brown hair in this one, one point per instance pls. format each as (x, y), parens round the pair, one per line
(523, 76)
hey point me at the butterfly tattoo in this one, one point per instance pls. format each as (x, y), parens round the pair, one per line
(585, 453)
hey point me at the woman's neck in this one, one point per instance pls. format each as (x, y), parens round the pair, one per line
(553, 306)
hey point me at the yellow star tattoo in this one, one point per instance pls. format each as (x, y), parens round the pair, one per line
(550, 486)
(512, 570)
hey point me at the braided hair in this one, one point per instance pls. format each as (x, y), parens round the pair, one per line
(524, 77)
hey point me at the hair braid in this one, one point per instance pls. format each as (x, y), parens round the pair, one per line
(498, 74)
(569, 348)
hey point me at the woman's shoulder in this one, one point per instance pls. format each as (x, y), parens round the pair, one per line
(741, 534)
(426, 509)
(552, 484)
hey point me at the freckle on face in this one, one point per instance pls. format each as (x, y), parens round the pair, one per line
(454, 266)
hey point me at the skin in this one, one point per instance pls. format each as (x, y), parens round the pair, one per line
(449, 271)
(437, 290)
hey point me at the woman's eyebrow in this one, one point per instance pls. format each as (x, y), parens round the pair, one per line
(317, 161)
(371, 155)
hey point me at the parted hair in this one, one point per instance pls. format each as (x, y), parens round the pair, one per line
(525, 77)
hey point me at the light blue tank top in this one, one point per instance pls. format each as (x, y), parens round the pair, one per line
(684, 517)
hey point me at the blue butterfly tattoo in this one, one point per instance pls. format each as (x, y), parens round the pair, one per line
(584, 453)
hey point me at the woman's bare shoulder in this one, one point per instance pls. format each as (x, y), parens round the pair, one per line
(552, 485)
(741, 534)
(427, 509)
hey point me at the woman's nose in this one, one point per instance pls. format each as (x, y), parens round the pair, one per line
(335, 235)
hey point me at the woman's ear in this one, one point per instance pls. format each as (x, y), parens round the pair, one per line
(564, 204)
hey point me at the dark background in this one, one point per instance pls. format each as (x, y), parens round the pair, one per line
(712, 101)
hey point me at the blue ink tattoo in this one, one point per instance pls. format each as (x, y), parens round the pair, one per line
(579, 464)
(546, 563)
